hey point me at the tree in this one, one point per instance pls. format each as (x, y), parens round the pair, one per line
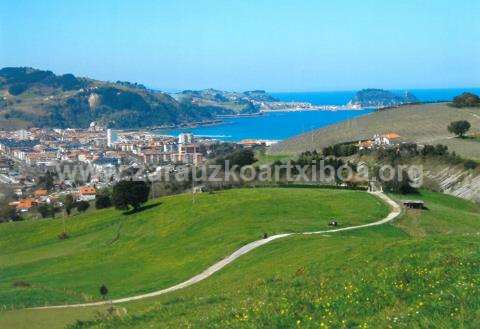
(17, 89)
(69, 204)
(103, 201)
(8, 213)
(103, 291)
(130, 194)
(240, 158)
(466, 100)
(470, 164)
(401, 183)
(46, 181)
(82, 206)
(459, 128)
(46, 210)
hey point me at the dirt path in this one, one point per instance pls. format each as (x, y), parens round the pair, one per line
(395, 211)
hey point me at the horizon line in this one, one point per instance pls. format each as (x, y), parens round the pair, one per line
(177, 90)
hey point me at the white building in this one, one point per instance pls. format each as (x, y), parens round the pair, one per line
(385, 140)
(111, 137)
(185, 138)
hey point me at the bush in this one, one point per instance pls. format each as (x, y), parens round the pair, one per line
(470, 164)
(459, 128)
(401, 183)
(103, 201)
(466, 100)
(340, 150)
(17, 89)
(47, 210)
(20, 284)
(82, 206)
(130, 194)
(8, 213)
(240, 158)
(63, 236)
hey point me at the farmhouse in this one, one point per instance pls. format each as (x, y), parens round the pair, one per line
(40, 193)
(379, 140)
(87, 193)
(24, 205)
(367, 144)
(385, 140)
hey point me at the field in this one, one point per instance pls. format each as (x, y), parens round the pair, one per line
(166, 243)
(415, 123)
(421, 271)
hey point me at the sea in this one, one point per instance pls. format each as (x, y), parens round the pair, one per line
(277, 126)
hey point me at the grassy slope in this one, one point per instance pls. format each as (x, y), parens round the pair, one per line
(421, 123)
(162, 245)
(266, 159)
(377, 277)
(423, 271)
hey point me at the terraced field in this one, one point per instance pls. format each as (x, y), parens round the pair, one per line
(420, 123)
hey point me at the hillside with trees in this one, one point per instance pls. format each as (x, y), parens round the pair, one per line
(466, 100)
(420, 123)
(225, 102)
(379, 98)
(31, 97)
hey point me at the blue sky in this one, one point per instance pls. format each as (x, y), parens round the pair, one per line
(250, 44)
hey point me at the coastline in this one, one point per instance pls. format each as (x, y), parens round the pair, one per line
(323, 109)
(194, 124)
(266, 126)
(219, 118)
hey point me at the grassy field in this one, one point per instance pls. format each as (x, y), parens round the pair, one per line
(264, 159)
(164, 244)
(421, 271)
(420, 123)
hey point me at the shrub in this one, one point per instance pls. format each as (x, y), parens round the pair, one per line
(8, 213)
(459, 128)
(47, 210)
(17, 89)
(401, 183)
(240, 158)
(130, 193)
(466, 100)
(63, 236)
(82, 206)
(103, 201)
(340, 150)
(470, 164)
(20, 284)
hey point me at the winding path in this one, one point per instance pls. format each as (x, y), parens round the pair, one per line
(395, 211)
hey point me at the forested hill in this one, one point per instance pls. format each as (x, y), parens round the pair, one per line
(379, 98)
(32, 97)
(226, 102)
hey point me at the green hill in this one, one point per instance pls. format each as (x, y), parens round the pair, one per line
(379, 98)
(421, 271)
(225, 102)
(163, 245)
(425, 123)
(31, 97)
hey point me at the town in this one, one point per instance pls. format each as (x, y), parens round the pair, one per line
(29, 156)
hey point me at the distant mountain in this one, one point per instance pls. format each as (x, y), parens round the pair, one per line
(225, 102)
(379, 98)
(32, 97)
